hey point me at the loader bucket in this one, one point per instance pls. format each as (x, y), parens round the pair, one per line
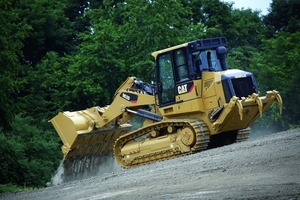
(85, 145)
(81, 139)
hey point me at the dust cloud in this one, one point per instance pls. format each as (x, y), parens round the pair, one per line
(261, 132)
(84, 168)
(57, 178)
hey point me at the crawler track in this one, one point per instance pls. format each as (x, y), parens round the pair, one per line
(199, 128)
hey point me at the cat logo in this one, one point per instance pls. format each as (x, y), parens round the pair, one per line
(182, 89)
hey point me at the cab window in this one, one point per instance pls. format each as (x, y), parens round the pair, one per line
(212, 60)
(181, 65)
(206, 61)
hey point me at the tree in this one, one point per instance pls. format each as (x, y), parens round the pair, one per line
(276, 67)
(284, 16)
(50, 29)
(97, 67)
(44, 90)
(147, 26)
(245, 35)
(51, 37)
(28, 154)
(12, 32)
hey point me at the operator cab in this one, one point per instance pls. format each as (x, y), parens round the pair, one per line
(185, 63)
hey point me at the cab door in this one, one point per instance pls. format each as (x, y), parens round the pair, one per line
(166, 81)
(172, 70)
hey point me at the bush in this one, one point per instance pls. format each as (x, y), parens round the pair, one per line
(29, 155)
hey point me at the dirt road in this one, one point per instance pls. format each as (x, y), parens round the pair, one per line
(262, 168)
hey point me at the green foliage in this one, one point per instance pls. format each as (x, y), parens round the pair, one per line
(245, 38)
(276, 67)
(241, 57)
(50, 29)
(246, 29)
(40, 91)
(12, 32)
(95, 63)
(5, 188)
(213, 14)
(146, 26)
(284, 16)
(28, 155)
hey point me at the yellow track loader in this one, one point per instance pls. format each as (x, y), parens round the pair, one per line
(197, 103)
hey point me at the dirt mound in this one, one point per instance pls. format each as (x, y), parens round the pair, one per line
(266, 167)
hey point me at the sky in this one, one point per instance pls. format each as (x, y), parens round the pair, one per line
(256, 5)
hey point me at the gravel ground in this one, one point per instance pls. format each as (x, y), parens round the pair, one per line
(266, 167)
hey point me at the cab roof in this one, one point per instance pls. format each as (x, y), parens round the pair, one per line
(196, 45)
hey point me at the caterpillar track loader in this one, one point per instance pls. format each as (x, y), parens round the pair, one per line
(197, 103)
